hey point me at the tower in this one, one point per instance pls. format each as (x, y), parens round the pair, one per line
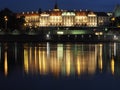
(56, 6)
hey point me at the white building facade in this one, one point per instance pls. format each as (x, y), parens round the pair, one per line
(64, 18)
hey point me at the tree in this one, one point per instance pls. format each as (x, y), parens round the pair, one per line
(115, 21)
(8, 19)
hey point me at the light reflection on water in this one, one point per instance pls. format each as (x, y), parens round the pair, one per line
(60, 59)
(69, 59)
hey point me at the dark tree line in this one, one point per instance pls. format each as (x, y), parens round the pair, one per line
(9, 20)
(115, 21)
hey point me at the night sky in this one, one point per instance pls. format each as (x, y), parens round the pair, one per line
(34, 5)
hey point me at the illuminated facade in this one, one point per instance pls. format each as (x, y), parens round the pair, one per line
(57, 17)
(44, 19)
(81, 18)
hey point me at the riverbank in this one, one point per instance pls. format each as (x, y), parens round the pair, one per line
(63, 34)
(59, 38)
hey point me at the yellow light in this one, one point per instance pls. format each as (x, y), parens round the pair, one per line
(78, 67)
(113, 19)
(68, 62)
(100, 63)
(44, 63)
(40, 61)
(92, 15)
(5, 17)
(101, 33)
(100, 60)
(68, 67)
(96, 33)
(118, 26)
(24, 24)
(26, 61)
(112, 66)
(5, 65)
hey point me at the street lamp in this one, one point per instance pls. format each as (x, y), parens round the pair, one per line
(6, 19)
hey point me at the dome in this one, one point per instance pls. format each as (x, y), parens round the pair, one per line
(55, 13)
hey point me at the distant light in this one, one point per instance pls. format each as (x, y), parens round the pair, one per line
(96, 33)
(89, 36)
(47, 35)
(60, 32)
(99, 33)
(115, 37)
(106, 29)
(113, 19)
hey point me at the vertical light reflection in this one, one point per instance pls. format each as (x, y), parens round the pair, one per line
(86, 61)
(112, 66)
(54, 63)
(43, 63)
(61, 60)
(92, 61)
(60, 51)
(68, 62)
(40, 61)
(26, 61)
(30, 54)
(78, 67)
(5, 64)
(114, 49)
(100, 62)
(48, 49)
(36, 61)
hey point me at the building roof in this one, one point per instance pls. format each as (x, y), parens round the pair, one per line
(55, 13)
(101, 14)
(81, 13)
(27, 14)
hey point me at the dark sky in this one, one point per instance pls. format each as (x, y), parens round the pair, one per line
(34, 5)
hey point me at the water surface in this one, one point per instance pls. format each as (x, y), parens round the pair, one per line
(59, 66)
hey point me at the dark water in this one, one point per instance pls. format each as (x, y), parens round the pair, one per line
(59, 66)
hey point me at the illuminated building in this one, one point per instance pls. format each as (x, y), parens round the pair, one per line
(92, 19)
(57, 17)
(31, 19)
(102, 18)
(81, 18)
(44, 19)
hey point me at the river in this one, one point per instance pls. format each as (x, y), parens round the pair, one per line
(59, 66)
